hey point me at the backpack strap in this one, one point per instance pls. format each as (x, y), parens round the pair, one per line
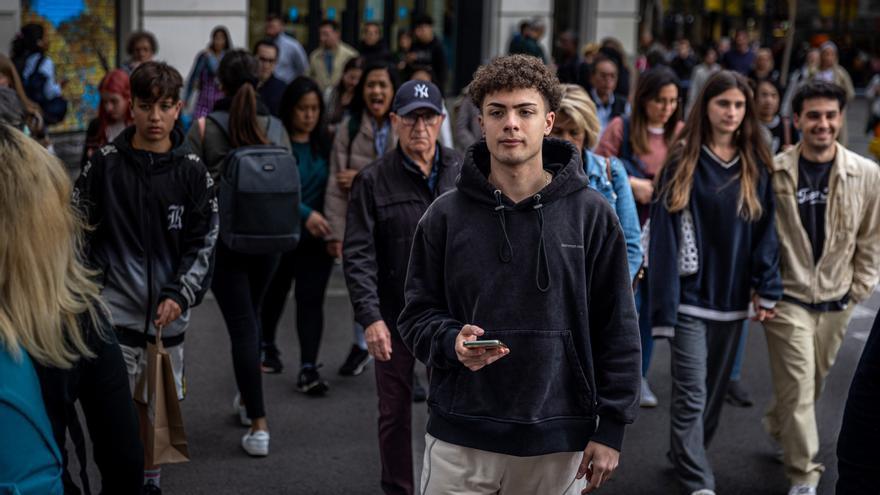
(275, 133)
(608, 168)
(221, 118)
(36, 67)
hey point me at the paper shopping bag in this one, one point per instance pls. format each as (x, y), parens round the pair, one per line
(166, 439)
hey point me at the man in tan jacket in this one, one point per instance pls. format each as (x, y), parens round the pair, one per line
(327, 61)
(828, 220)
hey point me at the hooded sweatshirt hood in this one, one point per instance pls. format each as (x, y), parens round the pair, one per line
(179, 149)
(560, 158)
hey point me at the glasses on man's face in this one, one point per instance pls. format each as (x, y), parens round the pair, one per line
(265, 60)
(429, 118)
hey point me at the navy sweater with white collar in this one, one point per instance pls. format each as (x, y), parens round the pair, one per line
(736, 256)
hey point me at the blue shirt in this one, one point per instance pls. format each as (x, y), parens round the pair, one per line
(292, 58)
(47, 68)
(380, 135)
(619, 195)
(603, 110)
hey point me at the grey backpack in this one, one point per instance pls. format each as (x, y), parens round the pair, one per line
(259, 194)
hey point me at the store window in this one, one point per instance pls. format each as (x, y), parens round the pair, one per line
(81, 39)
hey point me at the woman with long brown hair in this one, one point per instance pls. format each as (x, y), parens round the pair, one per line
(713, 252)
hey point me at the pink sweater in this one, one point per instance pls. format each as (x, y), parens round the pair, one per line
(611, 141)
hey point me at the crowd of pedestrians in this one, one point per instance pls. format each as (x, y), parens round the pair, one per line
(580, 211)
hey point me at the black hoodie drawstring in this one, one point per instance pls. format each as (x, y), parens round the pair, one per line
(505, 258)
(542, 251)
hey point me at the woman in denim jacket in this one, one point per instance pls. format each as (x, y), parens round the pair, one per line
(576, 121)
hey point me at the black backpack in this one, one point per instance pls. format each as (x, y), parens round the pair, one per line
(259, 194)
(54, 109)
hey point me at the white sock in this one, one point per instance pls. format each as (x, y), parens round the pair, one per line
(152, 476)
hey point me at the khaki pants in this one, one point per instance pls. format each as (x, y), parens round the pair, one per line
(803, 345)
(451, 469)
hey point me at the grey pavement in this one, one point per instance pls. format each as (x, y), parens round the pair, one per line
(329, 445)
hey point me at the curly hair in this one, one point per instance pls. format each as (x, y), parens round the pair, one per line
(512, 72)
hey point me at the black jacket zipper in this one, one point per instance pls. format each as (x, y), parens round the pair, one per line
(148, 251)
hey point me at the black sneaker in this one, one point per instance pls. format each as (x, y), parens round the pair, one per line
(356, 361)
(419, 392)
(310, 383)
(272, 359)
(737, 395)
(151, 489)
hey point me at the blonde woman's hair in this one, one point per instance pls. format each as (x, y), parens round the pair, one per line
(44, 287)
(577, 105)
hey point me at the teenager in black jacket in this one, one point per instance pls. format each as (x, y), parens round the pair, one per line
(522, 251)
(713, 252)
(150, 202)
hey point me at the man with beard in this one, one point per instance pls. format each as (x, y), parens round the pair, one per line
(829, 260)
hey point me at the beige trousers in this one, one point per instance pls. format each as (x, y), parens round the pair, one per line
(803, 345)
(450, 469)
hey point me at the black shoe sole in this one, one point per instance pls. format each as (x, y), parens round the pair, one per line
(357, 370)
(314, 389)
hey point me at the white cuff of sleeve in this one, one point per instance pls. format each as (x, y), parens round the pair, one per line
(663, 332)
(766, 303)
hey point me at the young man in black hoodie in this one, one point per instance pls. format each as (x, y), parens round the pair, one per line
(522, 252)
(155, 222)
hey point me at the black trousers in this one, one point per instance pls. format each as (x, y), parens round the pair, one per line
(857, 454)
(310, 265)
(394, 385)
(240, 283)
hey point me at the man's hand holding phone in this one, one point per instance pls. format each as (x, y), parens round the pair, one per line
(475, 359)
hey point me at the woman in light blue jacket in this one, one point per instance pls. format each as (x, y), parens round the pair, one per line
(576, 122)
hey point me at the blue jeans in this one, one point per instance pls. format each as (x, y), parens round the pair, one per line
(740, 351)
(643, 308)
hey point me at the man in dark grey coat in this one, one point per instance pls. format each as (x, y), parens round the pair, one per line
(388, 198)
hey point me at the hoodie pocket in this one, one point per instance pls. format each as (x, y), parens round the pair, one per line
(541, 379)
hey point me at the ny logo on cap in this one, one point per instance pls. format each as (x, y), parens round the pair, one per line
(421, 91)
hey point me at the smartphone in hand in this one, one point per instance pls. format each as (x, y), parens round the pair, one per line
(484, 344)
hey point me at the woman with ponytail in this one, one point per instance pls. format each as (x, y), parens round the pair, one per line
(114, 113)
(241, 280)
(713, 253)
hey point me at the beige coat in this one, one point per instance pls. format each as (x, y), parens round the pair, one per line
(318, 69)
(850, 261)
(362, 154)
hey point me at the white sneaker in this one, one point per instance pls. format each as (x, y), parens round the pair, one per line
(256, 443)
(647, 397)
(703, 491)
(802, 490)
(240, 410)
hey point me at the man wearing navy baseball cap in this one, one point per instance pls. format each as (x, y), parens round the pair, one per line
(388, 197)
